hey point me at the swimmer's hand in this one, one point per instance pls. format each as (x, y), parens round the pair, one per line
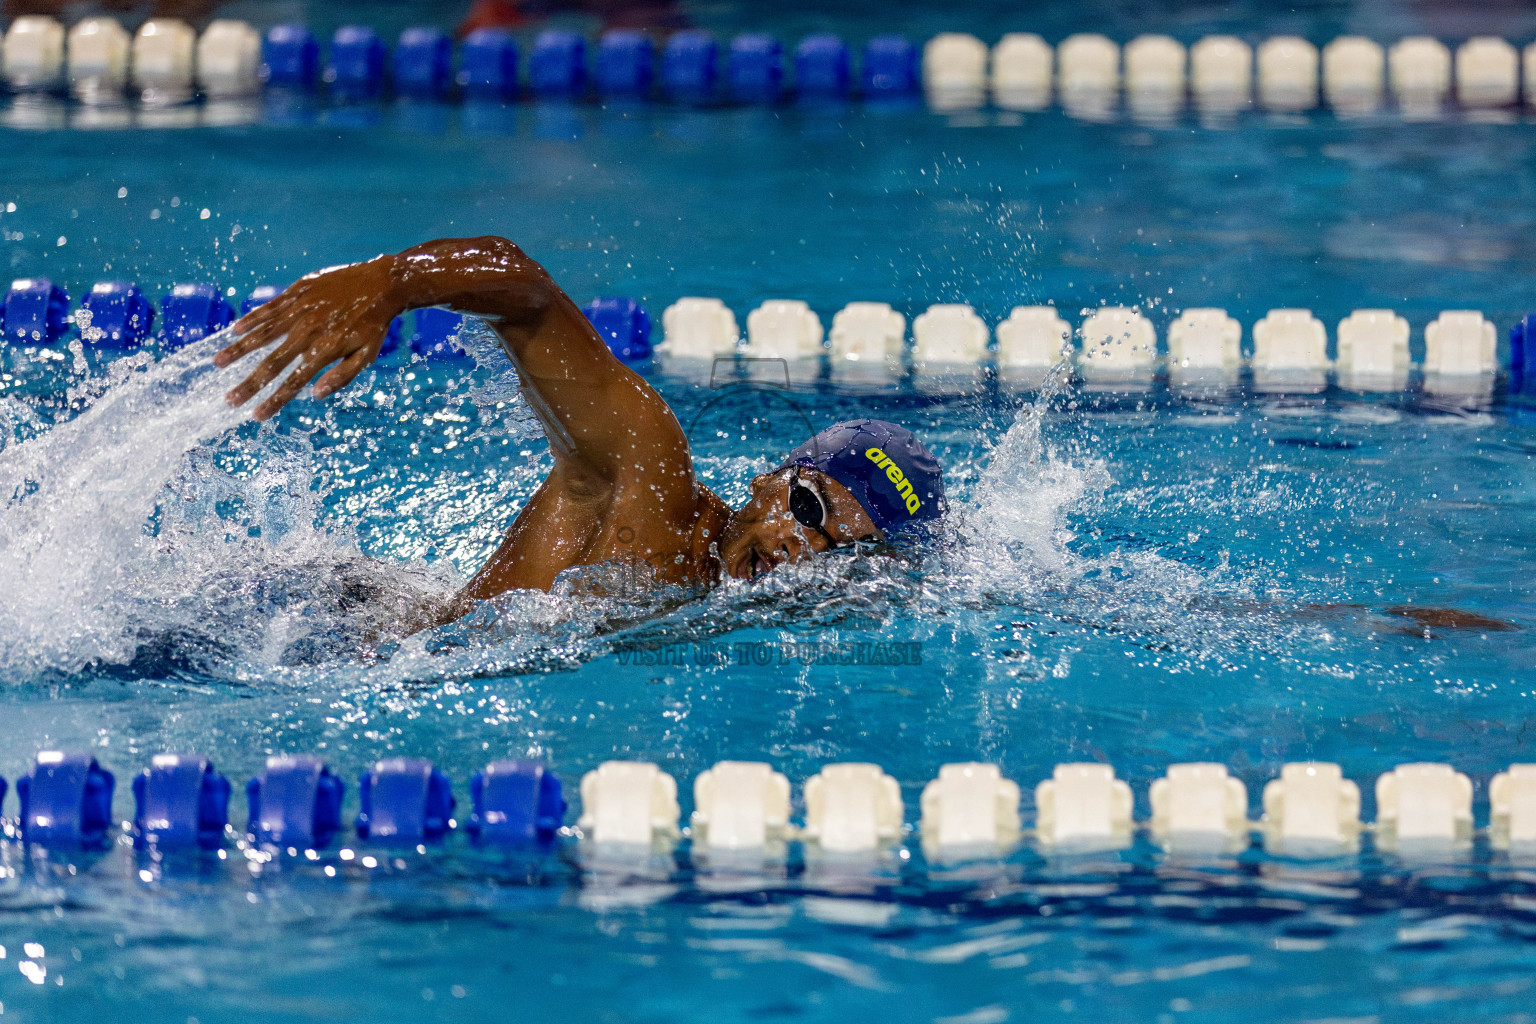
(339, 315)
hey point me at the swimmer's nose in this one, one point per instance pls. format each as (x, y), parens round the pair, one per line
(794, 548)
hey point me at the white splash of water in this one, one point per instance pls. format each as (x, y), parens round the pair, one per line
(75, 502)
(1017, 515)
(1014, 546)
(112, 542)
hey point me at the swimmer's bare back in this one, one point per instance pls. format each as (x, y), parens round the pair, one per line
(622, 485)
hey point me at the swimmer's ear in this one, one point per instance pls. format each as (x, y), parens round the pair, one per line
(760, 481)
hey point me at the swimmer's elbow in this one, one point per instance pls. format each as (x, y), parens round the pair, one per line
(536, 289)
(482, 257)
(488, 276)
(496, 245)
(507, 254)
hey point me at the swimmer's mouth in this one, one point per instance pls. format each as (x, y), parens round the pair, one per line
(751, 564)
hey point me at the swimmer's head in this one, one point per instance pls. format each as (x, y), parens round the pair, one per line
(860, 480)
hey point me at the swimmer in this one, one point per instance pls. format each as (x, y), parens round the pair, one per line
(623, 486)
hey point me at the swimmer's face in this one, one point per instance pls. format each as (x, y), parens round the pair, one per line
(764, 532)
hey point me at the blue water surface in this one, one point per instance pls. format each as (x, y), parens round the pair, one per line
(1134, 577)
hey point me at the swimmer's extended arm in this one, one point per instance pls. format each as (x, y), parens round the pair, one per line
(601, 418)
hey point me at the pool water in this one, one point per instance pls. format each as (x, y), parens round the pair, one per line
(1138, 578)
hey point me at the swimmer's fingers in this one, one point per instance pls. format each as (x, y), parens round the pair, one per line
(314, 358)
(260, 327)
(264, 374)
(346, 371)
(279, 305)
(269, 368)
(246, 341)
(251, 339)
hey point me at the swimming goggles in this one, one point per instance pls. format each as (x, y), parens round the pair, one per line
(809, 510)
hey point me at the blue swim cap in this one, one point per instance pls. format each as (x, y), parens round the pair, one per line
(884, 466)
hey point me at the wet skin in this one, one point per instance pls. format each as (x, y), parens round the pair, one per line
(623, 484)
